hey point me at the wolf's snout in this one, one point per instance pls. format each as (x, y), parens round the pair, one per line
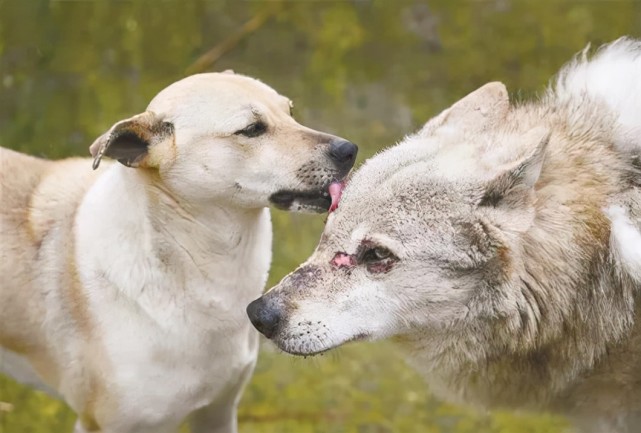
(343, 152)
(264, 316)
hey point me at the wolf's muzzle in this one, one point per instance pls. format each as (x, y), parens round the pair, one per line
(265, 316)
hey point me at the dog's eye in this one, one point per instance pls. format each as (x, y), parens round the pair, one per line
(376, 254)
(253, 130)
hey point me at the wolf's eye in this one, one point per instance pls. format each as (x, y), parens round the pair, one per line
(376, 254)
(378, 260)
(253, 130)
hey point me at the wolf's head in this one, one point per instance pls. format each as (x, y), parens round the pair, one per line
(423, 230)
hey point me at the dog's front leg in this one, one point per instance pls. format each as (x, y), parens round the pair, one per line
(215, 418)
(220, 416)
(79, 428)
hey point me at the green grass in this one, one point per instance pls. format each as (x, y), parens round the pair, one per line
(362, 388)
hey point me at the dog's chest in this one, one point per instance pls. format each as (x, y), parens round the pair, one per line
(194, 351)
(171, 329)
(177, 372)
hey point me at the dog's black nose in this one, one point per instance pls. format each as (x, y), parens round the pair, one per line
(343, 152)
(264, 317)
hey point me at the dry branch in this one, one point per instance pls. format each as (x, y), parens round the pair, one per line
(207, 60)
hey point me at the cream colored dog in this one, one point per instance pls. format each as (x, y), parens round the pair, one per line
(123, 290)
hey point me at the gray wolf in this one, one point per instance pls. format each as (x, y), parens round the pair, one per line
(499, 248)
(123, 290)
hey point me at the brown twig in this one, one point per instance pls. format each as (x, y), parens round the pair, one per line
(207, 60)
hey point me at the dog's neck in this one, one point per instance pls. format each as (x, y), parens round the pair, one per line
(199, 250)
(215, 226)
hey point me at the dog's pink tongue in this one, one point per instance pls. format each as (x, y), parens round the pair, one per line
(335, 192)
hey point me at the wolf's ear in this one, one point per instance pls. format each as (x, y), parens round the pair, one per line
(129, 140)
(515, 183)
(476, 112)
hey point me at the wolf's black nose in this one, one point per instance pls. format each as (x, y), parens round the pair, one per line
(343, 152)
(264, 317)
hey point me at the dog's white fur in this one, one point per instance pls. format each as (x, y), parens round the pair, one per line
(500, 247)
(123, 290)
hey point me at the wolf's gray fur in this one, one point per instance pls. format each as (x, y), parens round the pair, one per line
(500, 247)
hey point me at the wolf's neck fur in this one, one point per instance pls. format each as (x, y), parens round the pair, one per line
(573, 329)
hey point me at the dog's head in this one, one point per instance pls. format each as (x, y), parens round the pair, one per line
(226, 136)
(422, 229)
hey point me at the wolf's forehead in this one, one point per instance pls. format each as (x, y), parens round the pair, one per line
(450, 156)
(420, 169)
(414, 191)
(400, 212)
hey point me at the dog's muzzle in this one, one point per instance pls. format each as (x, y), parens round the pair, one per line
(343, 154)
(316, 198)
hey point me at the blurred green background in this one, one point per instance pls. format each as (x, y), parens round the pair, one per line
(370, 71)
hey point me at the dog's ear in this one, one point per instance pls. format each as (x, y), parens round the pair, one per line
(129, 140)
(511, 186)
(478, 111)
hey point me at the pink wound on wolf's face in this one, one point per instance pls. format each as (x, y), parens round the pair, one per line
(335, 192)
(343, 260)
